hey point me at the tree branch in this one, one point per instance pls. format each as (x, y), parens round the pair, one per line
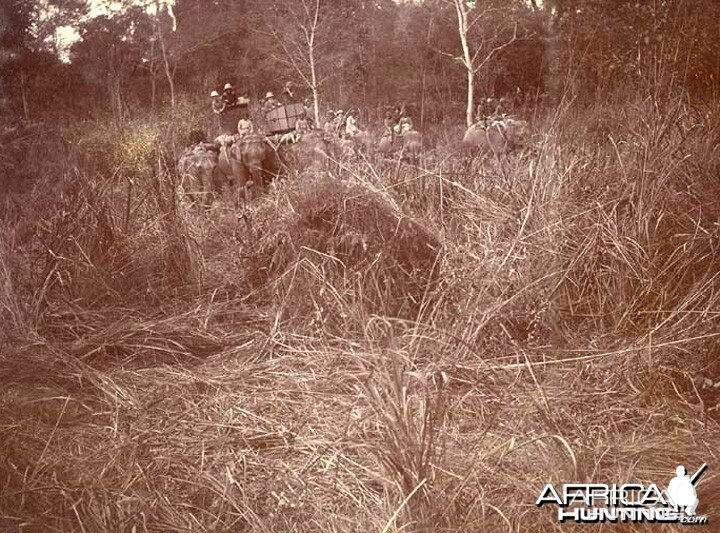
(496, 50)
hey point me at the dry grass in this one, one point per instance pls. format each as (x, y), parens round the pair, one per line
(383, 349)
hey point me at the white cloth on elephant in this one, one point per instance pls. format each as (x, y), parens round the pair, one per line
(289, 137)
(501, 120)
(224, 139)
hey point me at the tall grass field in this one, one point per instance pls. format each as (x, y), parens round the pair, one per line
(379, 347)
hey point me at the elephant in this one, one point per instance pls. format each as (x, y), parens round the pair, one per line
(250, 162)
(254, 162)
(340, 151)
(361, 144)
(409, 144)
(311, 152)
(412, 145)
(197, 167)
(500, 137)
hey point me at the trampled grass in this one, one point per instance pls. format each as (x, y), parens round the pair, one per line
(378, 348)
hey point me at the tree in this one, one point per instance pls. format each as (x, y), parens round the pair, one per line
(27, 46)
(15, 22)
(157, 8)
(475, 55)
(622, 45)
(111, 49)
(302, 31)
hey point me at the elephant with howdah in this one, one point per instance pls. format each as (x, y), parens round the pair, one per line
(499, 137)
(250, 162)
(244, 164)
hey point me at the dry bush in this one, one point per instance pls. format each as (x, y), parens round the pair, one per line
(333, 253)
(646, 256)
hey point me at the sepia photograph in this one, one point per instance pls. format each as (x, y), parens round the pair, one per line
(356, 266)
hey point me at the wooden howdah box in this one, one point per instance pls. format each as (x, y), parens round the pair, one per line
(282, 119)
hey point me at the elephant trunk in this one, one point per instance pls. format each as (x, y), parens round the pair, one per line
(257, 174)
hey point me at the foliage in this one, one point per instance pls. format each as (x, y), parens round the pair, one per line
(381, 347)
(390, 53)
(376, 346)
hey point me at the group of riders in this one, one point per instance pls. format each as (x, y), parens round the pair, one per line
(494, 111)
(233, 113)
(245, 135)
(338, 123)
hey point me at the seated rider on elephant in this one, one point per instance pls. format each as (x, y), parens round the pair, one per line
(270, 102)
(328, 126)
(338, 122)
(302, 127)
(389, 125)
(406, 125)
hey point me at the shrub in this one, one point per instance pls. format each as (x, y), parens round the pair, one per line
(332, 249)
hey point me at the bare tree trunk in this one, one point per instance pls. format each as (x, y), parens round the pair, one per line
(316, 106)
(116, 99)
(428, 35)
(153, 72)
(23, 94)
(467, 61)
(470, 97)
(166, 64)
(313, 78)
(313, 72)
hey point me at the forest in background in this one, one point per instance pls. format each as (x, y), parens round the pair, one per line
(376, 346)
(367, 53)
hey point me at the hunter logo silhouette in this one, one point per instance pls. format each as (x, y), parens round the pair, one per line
(681, 489)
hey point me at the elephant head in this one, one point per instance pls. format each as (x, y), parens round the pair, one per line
(517, 133)
(500, 138)
(311, 152)
(388, 144)
(254, 163)
(197, 169)
(409, 144)
(412, 145)
(224, 172)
